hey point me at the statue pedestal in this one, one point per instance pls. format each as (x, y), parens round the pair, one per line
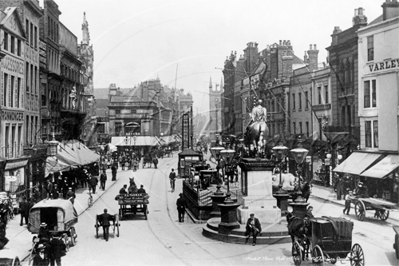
(282, 201)
(216, 200)
(257, 187)
(228, 217)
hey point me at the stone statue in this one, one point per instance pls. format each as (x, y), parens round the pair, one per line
(257, 130)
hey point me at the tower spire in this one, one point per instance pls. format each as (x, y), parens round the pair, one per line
(210, 83)
(85, 30)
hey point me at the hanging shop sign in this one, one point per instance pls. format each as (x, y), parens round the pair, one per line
(14, 165)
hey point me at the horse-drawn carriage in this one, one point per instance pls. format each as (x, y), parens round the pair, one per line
(380, 206)
(328, 239)
(115, 224)
(59, 215)
(133, 203)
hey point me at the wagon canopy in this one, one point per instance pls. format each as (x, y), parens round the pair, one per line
(65, 215)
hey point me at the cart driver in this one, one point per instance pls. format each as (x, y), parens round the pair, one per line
(44, 233)
(105, 221)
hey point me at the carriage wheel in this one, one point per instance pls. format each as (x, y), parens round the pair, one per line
(318, 256)
(360, 210)
(384, 214)
(396, 245)
(145, 211)
(73, 236)
(120, 212)
(357, 256)
(296, 253)
(117, 224)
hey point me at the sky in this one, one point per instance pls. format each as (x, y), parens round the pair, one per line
(137, 40)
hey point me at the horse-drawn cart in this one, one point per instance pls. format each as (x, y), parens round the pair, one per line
(329, 239)
(396, 244)
(59, 215)
(133, 203)
(380, 206)
(147, 161)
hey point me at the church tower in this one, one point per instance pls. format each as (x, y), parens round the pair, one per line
(215, 110)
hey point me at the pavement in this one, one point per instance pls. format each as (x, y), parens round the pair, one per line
(20, 239)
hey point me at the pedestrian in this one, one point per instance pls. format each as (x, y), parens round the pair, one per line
(141, 189)
(347, 202)
(3, 239)
(123, 190)
(24, 207)
(44, 233)
(93, 181)
(181, 207)
(104, 220)
(309, 212)
(54, 193)
(49, 188)
(172, 179)
(103, 179)
(40, 258)
(56, 251)
(252, 227)
(71, 195)
(114, 169)
(155, 161)
(339, 188)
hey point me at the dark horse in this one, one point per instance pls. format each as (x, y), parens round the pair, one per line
(256, 134)
(299, 228)
(305, 188)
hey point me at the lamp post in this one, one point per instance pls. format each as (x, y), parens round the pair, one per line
(228, 156)
(52, 147)
(280, 152)
(299, 205)
(215, 151)
(328, 163)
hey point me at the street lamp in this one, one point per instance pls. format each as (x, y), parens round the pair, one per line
(52, 147)
(228, 156)
(280, 152)
(299, 155)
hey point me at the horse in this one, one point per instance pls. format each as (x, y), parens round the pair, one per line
(133, 187)
(256, 134)
(299, 228)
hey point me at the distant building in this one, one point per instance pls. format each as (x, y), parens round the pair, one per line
(215, 111)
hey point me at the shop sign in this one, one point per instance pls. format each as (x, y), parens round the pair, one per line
(11, 178)
(385, 65)
(14, 165)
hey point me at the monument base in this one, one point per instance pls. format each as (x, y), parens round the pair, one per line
(265, 214)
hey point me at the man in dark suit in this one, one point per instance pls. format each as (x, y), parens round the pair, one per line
(105, 220)
(114, 169)
(93, 183)
(181, 207)
(253, 226)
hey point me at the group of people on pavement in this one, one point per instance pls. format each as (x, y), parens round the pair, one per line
(49, 249)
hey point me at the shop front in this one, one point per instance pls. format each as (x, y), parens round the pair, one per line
(15, 174)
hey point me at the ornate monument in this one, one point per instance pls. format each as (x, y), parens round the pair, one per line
(257, 129)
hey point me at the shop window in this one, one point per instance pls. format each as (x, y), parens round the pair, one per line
(367, 133)
(370, 48)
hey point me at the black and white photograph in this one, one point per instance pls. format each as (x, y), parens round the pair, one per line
(199, 132)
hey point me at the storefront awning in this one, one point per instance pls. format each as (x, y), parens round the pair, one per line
(357, 162)
(135, 141)
(383, 167)
(70, 155)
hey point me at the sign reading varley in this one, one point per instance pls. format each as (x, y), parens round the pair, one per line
(381, 66)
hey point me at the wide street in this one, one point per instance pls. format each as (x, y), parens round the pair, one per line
(162, 240)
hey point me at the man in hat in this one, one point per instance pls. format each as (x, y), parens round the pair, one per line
(24, 207)
(309, 212)
(71, 195)
(347, 202)
(93, 183)
(181, 207)
(105, 222)
(103, 179)
(44, 233)
(252, 227)
(123, 190)
(361, 191)
(41, 259)
(141, 189)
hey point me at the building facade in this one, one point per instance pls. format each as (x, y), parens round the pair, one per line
(378, 63)
(215, 111)
(13, 101)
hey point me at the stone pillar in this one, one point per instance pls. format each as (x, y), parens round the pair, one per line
(282, 201)
(216, 200)
(228, 218)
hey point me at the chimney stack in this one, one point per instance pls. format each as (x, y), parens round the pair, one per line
(390, 9)
(313, 58)
(359, 19)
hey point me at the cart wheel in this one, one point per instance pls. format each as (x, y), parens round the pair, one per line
(318, 256)
(360, 210)
(73, 236)
(396, 245)
(16, 262)
(96, 226)
(296, 253)
(117, 224)
(357, 256)
(384, 214)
